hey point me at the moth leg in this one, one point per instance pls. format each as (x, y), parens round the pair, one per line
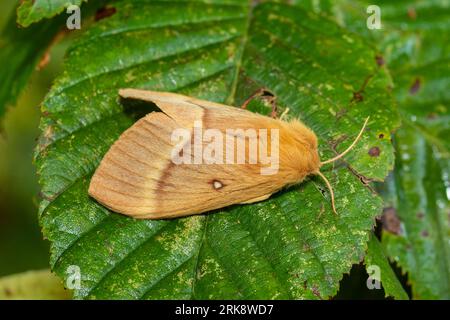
(257, 199)
(267, 95)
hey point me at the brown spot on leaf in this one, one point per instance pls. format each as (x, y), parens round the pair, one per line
(381, 135)
(432, 116)
(357, 96)
(420, 215)
(104, 12)
(415, 86)
(374, 152)
(390, 220)
(341, 113)
(43, 196)
(412, 14)
(45, 113)
(425, 233)
(315, 291)
(380, 60)
(7, 292)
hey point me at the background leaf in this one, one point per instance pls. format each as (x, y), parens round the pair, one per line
(31, 11)
(30, 285)
(290, 246)
(414, 43)
(20, 52)
(417, 229)
(376, 257)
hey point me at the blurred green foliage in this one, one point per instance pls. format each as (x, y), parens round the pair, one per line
(21, 244)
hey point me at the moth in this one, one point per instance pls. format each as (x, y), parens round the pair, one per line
(142, 176)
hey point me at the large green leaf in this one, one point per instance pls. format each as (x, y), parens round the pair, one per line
(290, 246)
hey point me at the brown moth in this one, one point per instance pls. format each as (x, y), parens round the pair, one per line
(138, 176)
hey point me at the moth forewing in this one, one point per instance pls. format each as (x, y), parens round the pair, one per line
(140, 177)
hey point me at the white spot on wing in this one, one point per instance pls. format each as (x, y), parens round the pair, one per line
(217, 184)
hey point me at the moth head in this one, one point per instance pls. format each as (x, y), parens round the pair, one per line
(301, 144)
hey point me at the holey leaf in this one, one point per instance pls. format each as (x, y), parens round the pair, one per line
(288, 247)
